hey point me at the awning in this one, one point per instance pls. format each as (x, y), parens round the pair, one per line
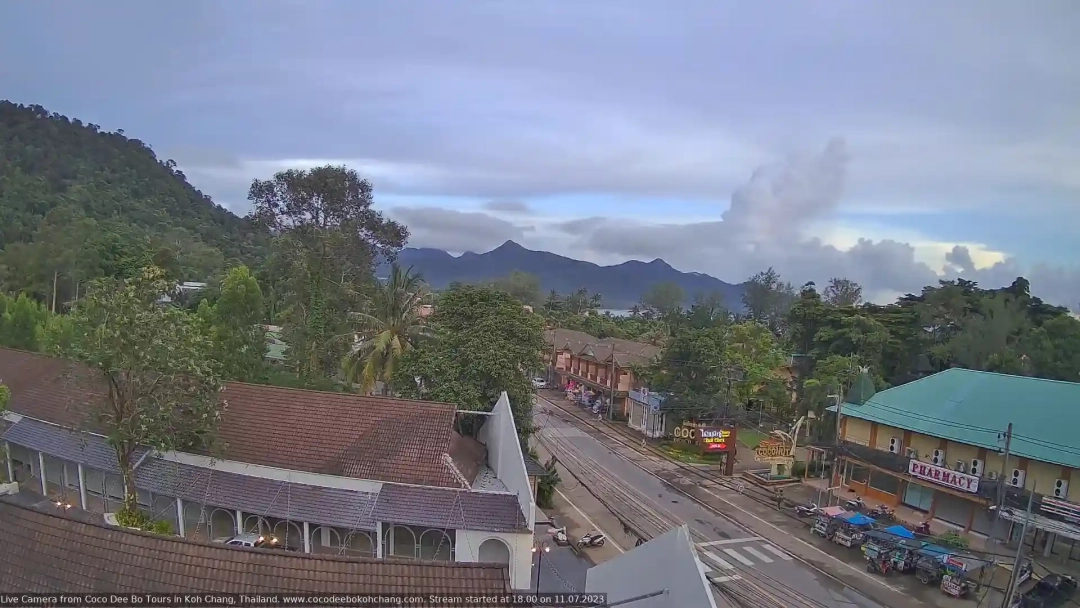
(1041, 522)
(900, 531)
(857, 519)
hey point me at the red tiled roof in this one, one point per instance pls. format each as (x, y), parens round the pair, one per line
(49, 553)
(395, 440)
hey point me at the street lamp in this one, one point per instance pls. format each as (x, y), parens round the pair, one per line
(540, 548)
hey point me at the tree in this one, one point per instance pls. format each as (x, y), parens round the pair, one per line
(843, 292)
(331, 237)
(392, 325)
(485, 343)
(990, 339)
(235, 324)
(22, 323)
(767, 300)
(664, 298)
(163, 384)
(522, 285)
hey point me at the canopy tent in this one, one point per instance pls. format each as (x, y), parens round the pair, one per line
(833, 511)
(900, 531)
(857, 519)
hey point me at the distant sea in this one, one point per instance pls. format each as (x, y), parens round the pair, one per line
(616, 312)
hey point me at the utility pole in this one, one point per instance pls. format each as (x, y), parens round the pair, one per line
(836, 451)
(1014, 576)
(1001, 484)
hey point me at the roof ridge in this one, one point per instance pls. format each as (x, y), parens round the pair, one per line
(989, 373)
(347, 394)
(6, 503)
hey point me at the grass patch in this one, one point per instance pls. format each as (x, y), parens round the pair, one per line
(750, 438)
(688, 454)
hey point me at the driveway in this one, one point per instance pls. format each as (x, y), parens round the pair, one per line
(559, 570)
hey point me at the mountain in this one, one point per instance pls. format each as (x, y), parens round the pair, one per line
(621, 285)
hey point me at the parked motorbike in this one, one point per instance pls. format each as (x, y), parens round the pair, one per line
(923, 529)
(807, 510)
(883, 512)
(559, 536)
(592, 539)
(855, 504)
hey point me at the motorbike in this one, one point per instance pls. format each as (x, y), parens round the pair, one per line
(923, 529)
(855, 504)
(592, 539)
(882, 512)
(559, 536)
(807, 510)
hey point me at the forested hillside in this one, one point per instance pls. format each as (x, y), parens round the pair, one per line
(77, 203)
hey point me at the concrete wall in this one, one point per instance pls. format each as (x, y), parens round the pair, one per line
(499, 434)
(467, 549)
(667, 562)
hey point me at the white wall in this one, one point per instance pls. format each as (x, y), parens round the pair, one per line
(467, 549)
(499, 434)
(667, 562)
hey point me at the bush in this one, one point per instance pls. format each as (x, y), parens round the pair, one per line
(951, 540)
(138, 519)
(545, 486)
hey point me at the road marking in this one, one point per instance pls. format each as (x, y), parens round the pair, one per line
(776, 552)
(730, 541)
(758, 554)
(724, 579)
(591, 522)
(723, 563)
(738, 556)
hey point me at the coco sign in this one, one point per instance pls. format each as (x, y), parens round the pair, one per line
(942, 476)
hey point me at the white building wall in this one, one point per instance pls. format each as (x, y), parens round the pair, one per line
(467, 549)
(499, 434)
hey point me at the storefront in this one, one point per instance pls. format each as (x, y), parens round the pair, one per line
(645, 414)
(954, 493)
(919, 497)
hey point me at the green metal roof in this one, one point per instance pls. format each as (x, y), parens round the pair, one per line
(976, 407)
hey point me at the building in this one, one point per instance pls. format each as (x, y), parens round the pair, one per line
(661, 573)
(604, 365)
(646, 414)
(327, 473)
(936, 445)
(45, 550)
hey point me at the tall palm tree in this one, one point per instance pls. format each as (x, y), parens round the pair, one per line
(392, 324)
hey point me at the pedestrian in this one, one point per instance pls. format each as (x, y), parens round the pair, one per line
(779, 498)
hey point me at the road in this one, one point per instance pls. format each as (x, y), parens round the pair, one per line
(734, 558)
(559, 569)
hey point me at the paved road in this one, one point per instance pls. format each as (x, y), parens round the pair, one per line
(731, 556)
(559, 570)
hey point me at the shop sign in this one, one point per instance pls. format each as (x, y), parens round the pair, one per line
(686, 433)
(717, 440)
(942, 476)
(774, 451)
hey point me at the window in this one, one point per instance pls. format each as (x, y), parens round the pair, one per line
(859, 474)
(884, 482)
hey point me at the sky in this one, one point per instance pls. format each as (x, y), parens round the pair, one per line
(893, 143)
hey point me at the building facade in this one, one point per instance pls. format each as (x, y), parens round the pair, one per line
(386, 478)
(938, 446)
(646, 413)
(604, 365)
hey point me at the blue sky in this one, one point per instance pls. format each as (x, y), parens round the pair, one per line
(856, 138)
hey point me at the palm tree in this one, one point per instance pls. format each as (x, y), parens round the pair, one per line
(392, 324)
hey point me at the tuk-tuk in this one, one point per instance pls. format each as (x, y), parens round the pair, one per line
(851, 529)
(904, 547)
(879, 549)
(960, 575)
(827, 522)
(930, 563)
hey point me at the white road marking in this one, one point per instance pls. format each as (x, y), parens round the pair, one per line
(738, 556)
(591, 522)
(776, 552)
(758, 554)
(729, 541)
(724, 579)
(723, 563)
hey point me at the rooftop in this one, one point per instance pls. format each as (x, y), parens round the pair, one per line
(976, 407)
(377, 438)
(625, 352)
(49, 553)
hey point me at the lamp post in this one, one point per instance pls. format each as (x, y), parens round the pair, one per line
(540, 548)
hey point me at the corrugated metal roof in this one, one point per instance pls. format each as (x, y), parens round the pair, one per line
(976, 407)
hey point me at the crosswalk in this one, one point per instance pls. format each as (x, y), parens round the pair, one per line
(721, 560)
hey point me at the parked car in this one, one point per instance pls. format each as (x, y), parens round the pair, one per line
(1053, 591)
(539, 383)
(252, 540)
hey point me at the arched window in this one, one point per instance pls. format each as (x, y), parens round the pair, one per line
(436, 545)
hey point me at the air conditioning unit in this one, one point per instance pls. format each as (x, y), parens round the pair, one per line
(976, 467)
(961, 466)
(1016, 478)
(992, 475)
(1061, 489)
(938, 459)
(912, 453)
(894, 445)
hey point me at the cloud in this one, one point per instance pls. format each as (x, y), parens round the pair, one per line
(456, 231)
(515, 207)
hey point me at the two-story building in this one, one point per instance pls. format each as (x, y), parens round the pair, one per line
(605, 365)
(325, 473)
(938, 445)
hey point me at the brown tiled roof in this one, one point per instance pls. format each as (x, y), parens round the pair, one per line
(469, 455)
(378, 438)
(48, 553)
(626, 352)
